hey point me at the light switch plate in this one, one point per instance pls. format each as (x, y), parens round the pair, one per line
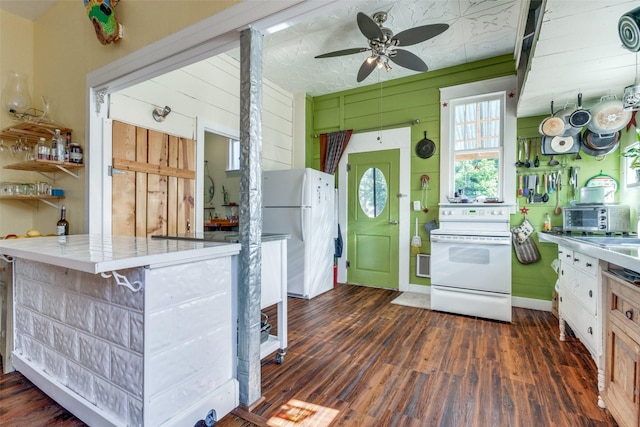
(416, 205)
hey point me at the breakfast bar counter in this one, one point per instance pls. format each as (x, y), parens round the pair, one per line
(124, 330)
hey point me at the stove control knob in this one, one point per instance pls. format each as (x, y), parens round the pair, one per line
(494, 212)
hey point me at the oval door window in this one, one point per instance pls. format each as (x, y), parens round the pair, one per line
(373, 192)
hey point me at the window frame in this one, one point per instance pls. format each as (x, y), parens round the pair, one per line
(503, 87)
(233, 155)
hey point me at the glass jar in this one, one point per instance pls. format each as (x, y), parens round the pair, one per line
(15, 96)
(75, 154)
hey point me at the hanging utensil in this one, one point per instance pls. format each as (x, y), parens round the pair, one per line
(554, 161)
(528, 163)
(558, 209)
(520, 163)
(416, 241)
(551, 178)
(536, 162)
(525, 190)
(520, 182)
(424, 180)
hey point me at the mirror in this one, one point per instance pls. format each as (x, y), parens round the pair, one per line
(209, 188)
(372, 192)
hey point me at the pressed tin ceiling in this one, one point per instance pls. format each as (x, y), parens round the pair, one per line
(478, 29)
(577, 46)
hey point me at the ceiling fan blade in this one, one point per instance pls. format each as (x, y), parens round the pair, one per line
(418, 34)
(365, 69)
(343, 52)
(406, 59)
(368, 27)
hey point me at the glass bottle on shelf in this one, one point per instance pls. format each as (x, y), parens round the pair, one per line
(43, 149)
(54, 146)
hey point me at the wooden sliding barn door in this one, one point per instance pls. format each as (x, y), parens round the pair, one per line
(155, 193)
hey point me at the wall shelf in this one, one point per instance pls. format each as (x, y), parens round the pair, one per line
(35, 198)
(43, 166)
(31, 131)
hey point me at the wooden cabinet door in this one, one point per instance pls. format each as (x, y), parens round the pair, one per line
(155, 194)
(621, 376)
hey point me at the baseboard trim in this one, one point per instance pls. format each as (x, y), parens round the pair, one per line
(533, 304)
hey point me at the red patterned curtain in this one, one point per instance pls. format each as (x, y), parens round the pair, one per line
(332, 145)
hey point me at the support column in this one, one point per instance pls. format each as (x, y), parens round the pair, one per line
(250, 216)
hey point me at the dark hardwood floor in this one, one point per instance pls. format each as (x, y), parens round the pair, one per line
(379, 364)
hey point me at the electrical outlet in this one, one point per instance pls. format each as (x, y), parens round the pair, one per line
(416, 205)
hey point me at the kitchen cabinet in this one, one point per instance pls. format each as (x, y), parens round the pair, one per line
(29, 132)
(126, 331)
(622, 371)
(579, 290)
(274, 291)
(6, 319)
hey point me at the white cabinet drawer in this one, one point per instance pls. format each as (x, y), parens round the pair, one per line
(585, 263)
(581, 322)
(585, 289)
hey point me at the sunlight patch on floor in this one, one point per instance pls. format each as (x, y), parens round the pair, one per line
(296, 413)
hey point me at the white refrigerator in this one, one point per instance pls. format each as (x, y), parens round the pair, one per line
(300, 202)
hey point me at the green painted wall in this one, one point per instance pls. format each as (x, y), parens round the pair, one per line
(418, 97)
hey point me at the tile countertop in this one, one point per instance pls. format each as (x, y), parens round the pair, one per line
(220, 236)
(98, 253)
(621, 251)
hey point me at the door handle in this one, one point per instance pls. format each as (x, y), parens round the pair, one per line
(393, 222)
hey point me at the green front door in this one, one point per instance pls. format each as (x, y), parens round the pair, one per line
(372, 216)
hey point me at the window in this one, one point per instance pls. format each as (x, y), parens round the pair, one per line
(478, 140)
(233, 158)
(477, 147)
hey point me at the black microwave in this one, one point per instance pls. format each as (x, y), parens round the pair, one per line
(596, 218)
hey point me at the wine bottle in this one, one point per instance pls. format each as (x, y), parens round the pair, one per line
(62, 227)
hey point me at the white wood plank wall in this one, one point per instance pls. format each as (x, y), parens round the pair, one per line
(209, 89)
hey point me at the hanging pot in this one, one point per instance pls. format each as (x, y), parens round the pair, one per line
(599, 154)
(597, 141)
(551, 126)
(608, 116)
(580, 117)
(425, 148)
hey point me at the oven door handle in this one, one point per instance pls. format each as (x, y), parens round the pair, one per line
(500, 242)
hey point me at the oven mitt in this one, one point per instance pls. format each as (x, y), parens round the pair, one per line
(523, 244)
(523, 231)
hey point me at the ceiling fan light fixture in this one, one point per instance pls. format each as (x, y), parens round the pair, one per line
(382, 43)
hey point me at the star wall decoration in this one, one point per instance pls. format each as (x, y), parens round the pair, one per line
(524, 210)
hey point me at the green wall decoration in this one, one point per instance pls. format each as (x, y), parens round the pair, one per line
(418, 97)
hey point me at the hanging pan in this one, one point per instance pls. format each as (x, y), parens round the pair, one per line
(588, 141)
(609, 116)
(552, 126)
(565, 115)
(580, 117)
(598, 141)
(425, 148)
(560, 145)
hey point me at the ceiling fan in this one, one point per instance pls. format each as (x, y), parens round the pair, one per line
(383, 44)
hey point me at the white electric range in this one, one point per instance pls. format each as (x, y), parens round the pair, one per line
(471, 261)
